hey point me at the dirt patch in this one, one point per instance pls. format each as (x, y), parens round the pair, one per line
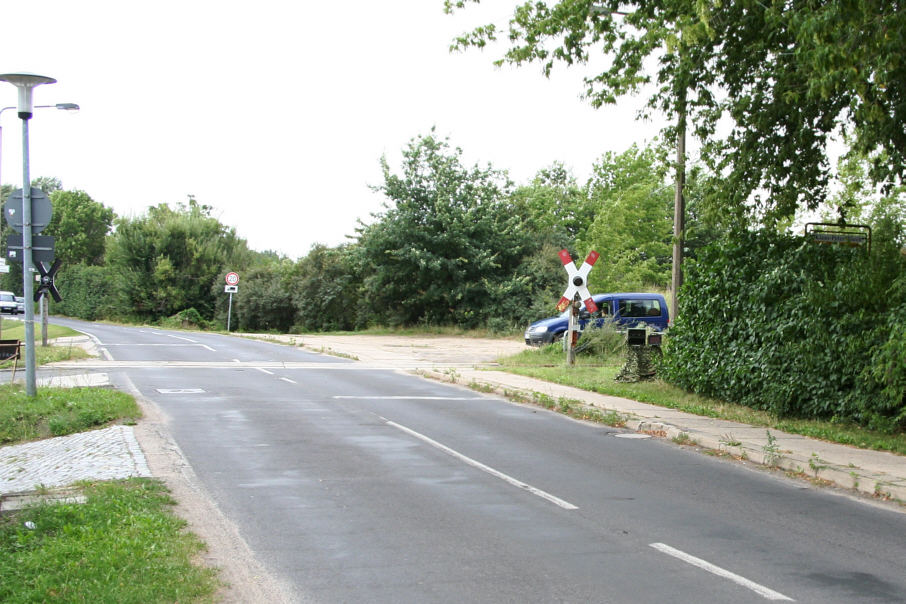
(409, 351)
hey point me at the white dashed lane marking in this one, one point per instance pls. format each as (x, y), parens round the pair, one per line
(761, 590)
(477, 464)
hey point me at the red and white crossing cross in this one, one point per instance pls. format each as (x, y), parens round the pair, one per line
(578, 280)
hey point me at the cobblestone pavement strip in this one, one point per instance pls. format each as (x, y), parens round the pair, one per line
(108, 454)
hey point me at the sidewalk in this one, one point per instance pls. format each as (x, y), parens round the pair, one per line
(872, 472)
(28, 469)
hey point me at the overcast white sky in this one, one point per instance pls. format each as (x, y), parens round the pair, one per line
(276, 113)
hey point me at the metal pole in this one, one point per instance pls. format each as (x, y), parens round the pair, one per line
(229, 312)
(27, 269)
(571, 333)
(45, 302)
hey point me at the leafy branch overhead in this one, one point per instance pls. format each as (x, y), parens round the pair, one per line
(788, 76)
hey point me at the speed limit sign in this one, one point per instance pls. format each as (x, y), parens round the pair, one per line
(232, 278)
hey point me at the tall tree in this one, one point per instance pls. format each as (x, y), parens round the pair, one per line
(787, 74)
(48, 184)
(325, 288)
(447, 239)
(634, 224)
(170, 259)
(79, 226)
(265, 303)
(555, 205)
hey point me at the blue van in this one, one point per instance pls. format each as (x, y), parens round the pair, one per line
(623, 309)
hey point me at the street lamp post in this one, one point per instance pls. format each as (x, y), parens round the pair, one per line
(43, 301)
(26, 82)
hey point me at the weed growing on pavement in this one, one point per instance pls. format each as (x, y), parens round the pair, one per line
(728, 441)
(122, 545)
(335, 353)
(568, 406)
(772, 454)
(481, 387)
(60, 411)
(683, 438)
(816, 464)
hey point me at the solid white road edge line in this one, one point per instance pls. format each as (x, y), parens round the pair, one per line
(761, 590)
(477, 464)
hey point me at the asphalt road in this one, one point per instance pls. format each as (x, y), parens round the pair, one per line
(358, 484)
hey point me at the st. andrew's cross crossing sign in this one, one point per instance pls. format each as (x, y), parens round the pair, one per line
(578, 281)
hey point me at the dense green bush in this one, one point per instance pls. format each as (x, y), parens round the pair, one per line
(168, 259)
(888, 365)
(89, 292)
(185, 319)
(325, 290)
(264, 302)
(605, 342)
(782, 324)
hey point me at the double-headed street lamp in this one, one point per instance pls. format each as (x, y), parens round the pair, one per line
(26, 82)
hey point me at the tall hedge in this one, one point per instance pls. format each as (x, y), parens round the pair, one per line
(89, 292)
(795, 328)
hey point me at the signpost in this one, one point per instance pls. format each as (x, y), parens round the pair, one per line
(232, 287)
(839, 233)
(576, 290)
(46, 286)
(41, 210)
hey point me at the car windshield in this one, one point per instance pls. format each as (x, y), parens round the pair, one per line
(7, 298)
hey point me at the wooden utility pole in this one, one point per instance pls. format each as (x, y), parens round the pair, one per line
(679, 201)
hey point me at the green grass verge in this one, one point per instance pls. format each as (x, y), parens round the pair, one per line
(596, 374)
(122, 545)
(15, 330)
(60, 411)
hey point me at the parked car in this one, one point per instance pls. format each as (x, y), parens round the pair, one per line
(623, 309)
(20, 305)
(8, 304)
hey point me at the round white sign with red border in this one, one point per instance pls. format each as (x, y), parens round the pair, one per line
(232, 278)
